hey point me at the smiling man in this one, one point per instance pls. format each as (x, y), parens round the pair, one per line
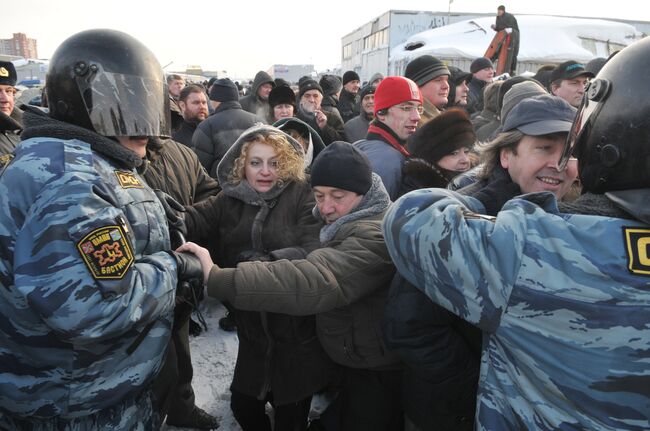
(398, 106)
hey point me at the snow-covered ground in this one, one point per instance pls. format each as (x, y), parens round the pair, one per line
(213, 355)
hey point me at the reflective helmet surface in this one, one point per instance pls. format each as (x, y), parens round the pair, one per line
(109, 82)
(611, 133)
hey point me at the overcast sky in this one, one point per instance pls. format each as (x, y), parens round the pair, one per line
(242, 37)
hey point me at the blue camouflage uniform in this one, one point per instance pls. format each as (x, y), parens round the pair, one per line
(563, 302)
(87, 292)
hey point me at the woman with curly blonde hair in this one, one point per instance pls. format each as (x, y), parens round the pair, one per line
(264, 212)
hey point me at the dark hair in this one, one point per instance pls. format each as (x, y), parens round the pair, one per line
(174, 77)
(189, 89)
(502, 7)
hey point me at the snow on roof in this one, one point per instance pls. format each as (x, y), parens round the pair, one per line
(543, 38)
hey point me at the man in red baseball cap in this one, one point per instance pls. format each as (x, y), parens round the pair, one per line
(398, 106)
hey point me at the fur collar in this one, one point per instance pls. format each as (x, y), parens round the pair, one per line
(374, 202)
(426, 174)
(39, 125)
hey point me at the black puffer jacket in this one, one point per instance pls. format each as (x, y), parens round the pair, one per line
(348, 105)
(216, 134)
(277, 352)
(10, 128)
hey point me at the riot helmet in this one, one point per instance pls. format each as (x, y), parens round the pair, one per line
(107, 81)
(611, 133)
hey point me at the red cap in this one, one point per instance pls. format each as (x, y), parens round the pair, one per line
(393, 90)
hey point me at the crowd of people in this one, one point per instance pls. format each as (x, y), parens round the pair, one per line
(434, 251)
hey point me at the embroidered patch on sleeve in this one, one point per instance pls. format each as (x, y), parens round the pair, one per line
(106, 252)
(637, 245)
(128, 180)
(4, 161)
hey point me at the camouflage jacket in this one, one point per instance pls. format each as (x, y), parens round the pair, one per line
(562, 300)
(87, 290)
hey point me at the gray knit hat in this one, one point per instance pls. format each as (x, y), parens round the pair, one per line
(425, 68)
(517, 93)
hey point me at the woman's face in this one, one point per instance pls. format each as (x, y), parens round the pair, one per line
(458, 161)
(261, 167)
(283, 110)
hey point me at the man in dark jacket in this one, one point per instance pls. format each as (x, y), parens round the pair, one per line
(10, 116)
(175, 169)
(215, 135)
(344, 283)
(194, 107)
(257, 102)
(326, 121)
(357, 128)
(332, 86)
(507, 21)
(348, 107)
(482, 73)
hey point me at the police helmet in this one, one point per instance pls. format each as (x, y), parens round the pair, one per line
(109, 82)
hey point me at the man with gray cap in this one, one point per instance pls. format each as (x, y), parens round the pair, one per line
(10, 116)
(432, 76)
(216, 134)
(569, 80)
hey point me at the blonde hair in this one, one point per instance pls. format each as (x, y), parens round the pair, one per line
(291, 162)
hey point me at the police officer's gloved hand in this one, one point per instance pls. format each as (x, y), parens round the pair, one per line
(175, 213)
(190, 277)
(497, 192)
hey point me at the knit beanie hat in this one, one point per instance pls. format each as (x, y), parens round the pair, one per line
(8, 74)
(350, 75)
(306, 85)
(425, 68)
(366, 90)
(331, 84)
(480, 64)
(282, 94)
(517, 93)
(224, 90)
(446, 133)
(396, 89)
(342, 166)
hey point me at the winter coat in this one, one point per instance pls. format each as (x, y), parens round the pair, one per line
(357, 128)
(564, 319)
(345, 282)
(333, 130)
(316, 146)
(10, 128)
(348, 106)
(475, 95)
(88, 286)
(184, 133)
(277, 352)
(215, 135)
(175, 169)
(430, 112)
(252, 102)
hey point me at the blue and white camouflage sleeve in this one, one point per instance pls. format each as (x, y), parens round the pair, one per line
(463, 261)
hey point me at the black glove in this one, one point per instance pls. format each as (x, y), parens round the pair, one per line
(175, 213)
(252, 256)
(190, 278)
(497, 192)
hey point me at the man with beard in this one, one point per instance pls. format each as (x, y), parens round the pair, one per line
(194, 107)
(10, 116)
(326, 122)
(357, 128)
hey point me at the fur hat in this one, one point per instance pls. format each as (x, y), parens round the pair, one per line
(282, 94)
(446, 133)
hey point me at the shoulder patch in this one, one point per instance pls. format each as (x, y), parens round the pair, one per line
(5, 159)
(106, 252)
(637, 245)
(128, 180)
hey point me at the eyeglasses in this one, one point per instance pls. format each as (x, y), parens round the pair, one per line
(410, 108)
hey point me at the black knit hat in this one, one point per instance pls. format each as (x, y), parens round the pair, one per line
(342, 166)
(306, 85)
(224, 90)
(446, 133)
(350, 75)
(480, 64)
(425, 68)
(366, 90)
(282, 94)
(8, 74)
(331, 84)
